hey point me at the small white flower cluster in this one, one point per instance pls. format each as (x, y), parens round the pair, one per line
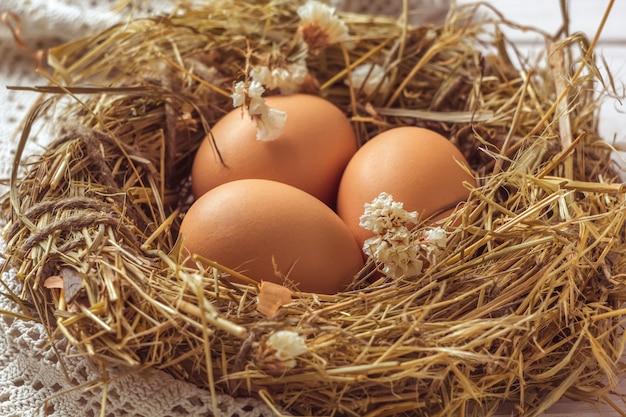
(399, 251)
(269, 122)
(320, 26)
(318, 20)
(383, 215)
(369, 78)
(287, 79)
(287, 345)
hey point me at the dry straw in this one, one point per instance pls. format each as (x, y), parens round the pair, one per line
(527, 306)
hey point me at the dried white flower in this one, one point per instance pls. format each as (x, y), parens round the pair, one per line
(239, 94)
(383, 214)
(394, 252)
(400, 251)
(287, 79)
(369, 78)
(287, 345)
(320, 26)
(436, 238)
(257, 105)
(269, 122)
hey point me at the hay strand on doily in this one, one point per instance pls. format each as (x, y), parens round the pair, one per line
(527, 300)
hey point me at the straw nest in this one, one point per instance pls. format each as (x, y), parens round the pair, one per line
(526, 306)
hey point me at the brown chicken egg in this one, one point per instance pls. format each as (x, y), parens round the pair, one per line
(417, 166)
(267, 230)
(316, 143)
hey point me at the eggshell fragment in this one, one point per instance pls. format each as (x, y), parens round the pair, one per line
(267, 230)
(417, 166)
(311, 153)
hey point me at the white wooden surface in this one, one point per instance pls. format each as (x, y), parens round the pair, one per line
(585, 16)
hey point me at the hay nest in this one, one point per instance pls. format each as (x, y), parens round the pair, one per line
(527, 305)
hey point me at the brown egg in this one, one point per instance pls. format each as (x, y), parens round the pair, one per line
(417, 166)
(311, 153)
(254, 226)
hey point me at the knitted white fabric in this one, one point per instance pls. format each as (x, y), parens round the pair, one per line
(36, 380)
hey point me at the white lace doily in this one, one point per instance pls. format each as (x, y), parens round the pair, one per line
(33, 381)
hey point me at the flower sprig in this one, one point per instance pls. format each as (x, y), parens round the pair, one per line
(269, 122)
(319, 27)
(401, 251)
(384, 214)
(287, 79)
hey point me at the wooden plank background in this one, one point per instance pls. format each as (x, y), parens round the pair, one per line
(585, 16)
